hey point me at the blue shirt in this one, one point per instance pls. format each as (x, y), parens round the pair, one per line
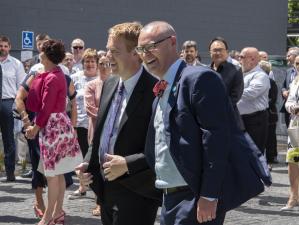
(166, 171)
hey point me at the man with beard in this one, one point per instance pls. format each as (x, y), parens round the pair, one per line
(190, 53)
(13, 74)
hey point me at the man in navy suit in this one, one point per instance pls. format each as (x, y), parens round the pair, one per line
(200, 156)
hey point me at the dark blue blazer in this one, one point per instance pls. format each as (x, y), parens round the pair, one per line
(209, 150)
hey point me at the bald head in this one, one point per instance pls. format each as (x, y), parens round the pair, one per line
(158, 47)
(263, 55)
(159, 28)
(249, 58)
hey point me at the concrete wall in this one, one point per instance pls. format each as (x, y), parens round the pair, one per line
(243, 23)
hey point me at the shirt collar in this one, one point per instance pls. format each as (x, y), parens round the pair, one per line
(8, 59)
(169, 76)
(255, 69)
(130, 83)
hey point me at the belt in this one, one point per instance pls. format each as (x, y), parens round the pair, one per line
(8, 99)
(175, 189)
(254, 113)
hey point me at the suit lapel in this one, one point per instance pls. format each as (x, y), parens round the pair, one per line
(109, 89)
(174, 91)
(134, 100)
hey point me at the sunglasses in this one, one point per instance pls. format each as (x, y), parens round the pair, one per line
(78, 47)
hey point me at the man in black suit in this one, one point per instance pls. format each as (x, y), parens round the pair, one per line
(120, 175)
(231, 75)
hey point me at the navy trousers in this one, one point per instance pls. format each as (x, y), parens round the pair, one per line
(180, 208)
(7, 127)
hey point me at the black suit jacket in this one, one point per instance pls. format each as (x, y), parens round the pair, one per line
(234, 82)
(130, 141)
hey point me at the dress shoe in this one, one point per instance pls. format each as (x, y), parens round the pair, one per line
(27, 175)
(10, 177)
(290, 205)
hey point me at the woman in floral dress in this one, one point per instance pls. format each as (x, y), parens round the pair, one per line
(60, 152)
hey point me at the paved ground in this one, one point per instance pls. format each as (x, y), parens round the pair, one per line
(16, 204)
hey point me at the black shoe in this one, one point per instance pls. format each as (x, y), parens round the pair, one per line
(27, 175)
(10, 177)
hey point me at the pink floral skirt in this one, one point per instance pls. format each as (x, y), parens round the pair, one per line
(59, 149)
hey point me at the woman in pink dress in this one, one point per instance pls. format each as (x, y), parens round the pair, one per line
(59, 148)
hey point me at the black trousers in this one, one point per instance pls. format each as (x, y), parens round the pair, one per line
(271, 145)
(287, 118)
(121, 206)
(83, 139)
(256, 124)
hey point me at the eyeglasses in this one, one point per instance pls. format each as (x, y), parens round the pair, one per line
(78, 47)
(217, 50)
(149, 47)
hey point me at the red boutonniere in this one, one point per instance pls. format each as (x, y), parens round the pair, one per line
(159, 88)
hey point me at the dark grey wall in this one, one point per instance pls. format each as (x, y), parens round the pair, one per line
(260, 23)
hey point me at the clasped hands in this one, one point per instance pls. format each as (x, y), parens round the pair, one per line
(114, 167)
(31, 131)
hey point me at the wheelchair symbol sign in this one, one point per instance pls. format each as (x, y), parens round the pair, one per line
(27, 40)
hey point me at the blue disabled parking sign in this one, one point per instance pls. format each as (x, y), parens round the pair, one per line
(27, 40)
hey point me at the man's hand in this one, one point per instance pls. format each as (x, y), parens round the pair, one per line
(285, 94)
(114, 167)
(206, 210)
(85, 178)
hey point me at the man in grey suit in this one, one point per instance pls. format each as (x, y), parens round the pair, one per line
(291, 74)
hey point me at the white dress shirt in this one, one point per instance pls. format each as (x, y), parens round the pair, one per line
(256, 89)
(13, 74)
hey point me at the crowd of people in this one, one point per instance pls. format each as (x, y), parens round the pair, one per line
(144, 125)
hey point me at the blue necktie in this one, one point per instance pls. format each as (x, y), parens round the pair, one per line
(111, 118)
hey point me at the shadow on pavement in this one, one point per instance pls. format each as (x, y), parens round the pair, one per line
(11, 199)
(77, 220)
(15, 190)
(280, 171)
(267, 212)
(15, 219)
(279, 185)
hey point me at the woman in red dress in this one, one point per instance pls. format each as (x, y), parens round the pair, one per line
(59, 148)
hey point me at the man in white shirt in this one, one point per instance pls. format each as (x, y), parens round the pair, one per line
(77, 48)
(13, 74)
(254, 101)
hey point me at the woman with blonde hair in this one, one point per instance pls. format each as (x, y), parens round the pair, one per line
(81, 79)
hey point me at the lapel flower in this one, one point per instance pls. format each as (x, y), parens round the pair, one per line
(159, 88)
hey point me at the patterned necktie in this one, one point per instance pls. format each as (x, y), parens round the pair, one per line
(111, 119)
